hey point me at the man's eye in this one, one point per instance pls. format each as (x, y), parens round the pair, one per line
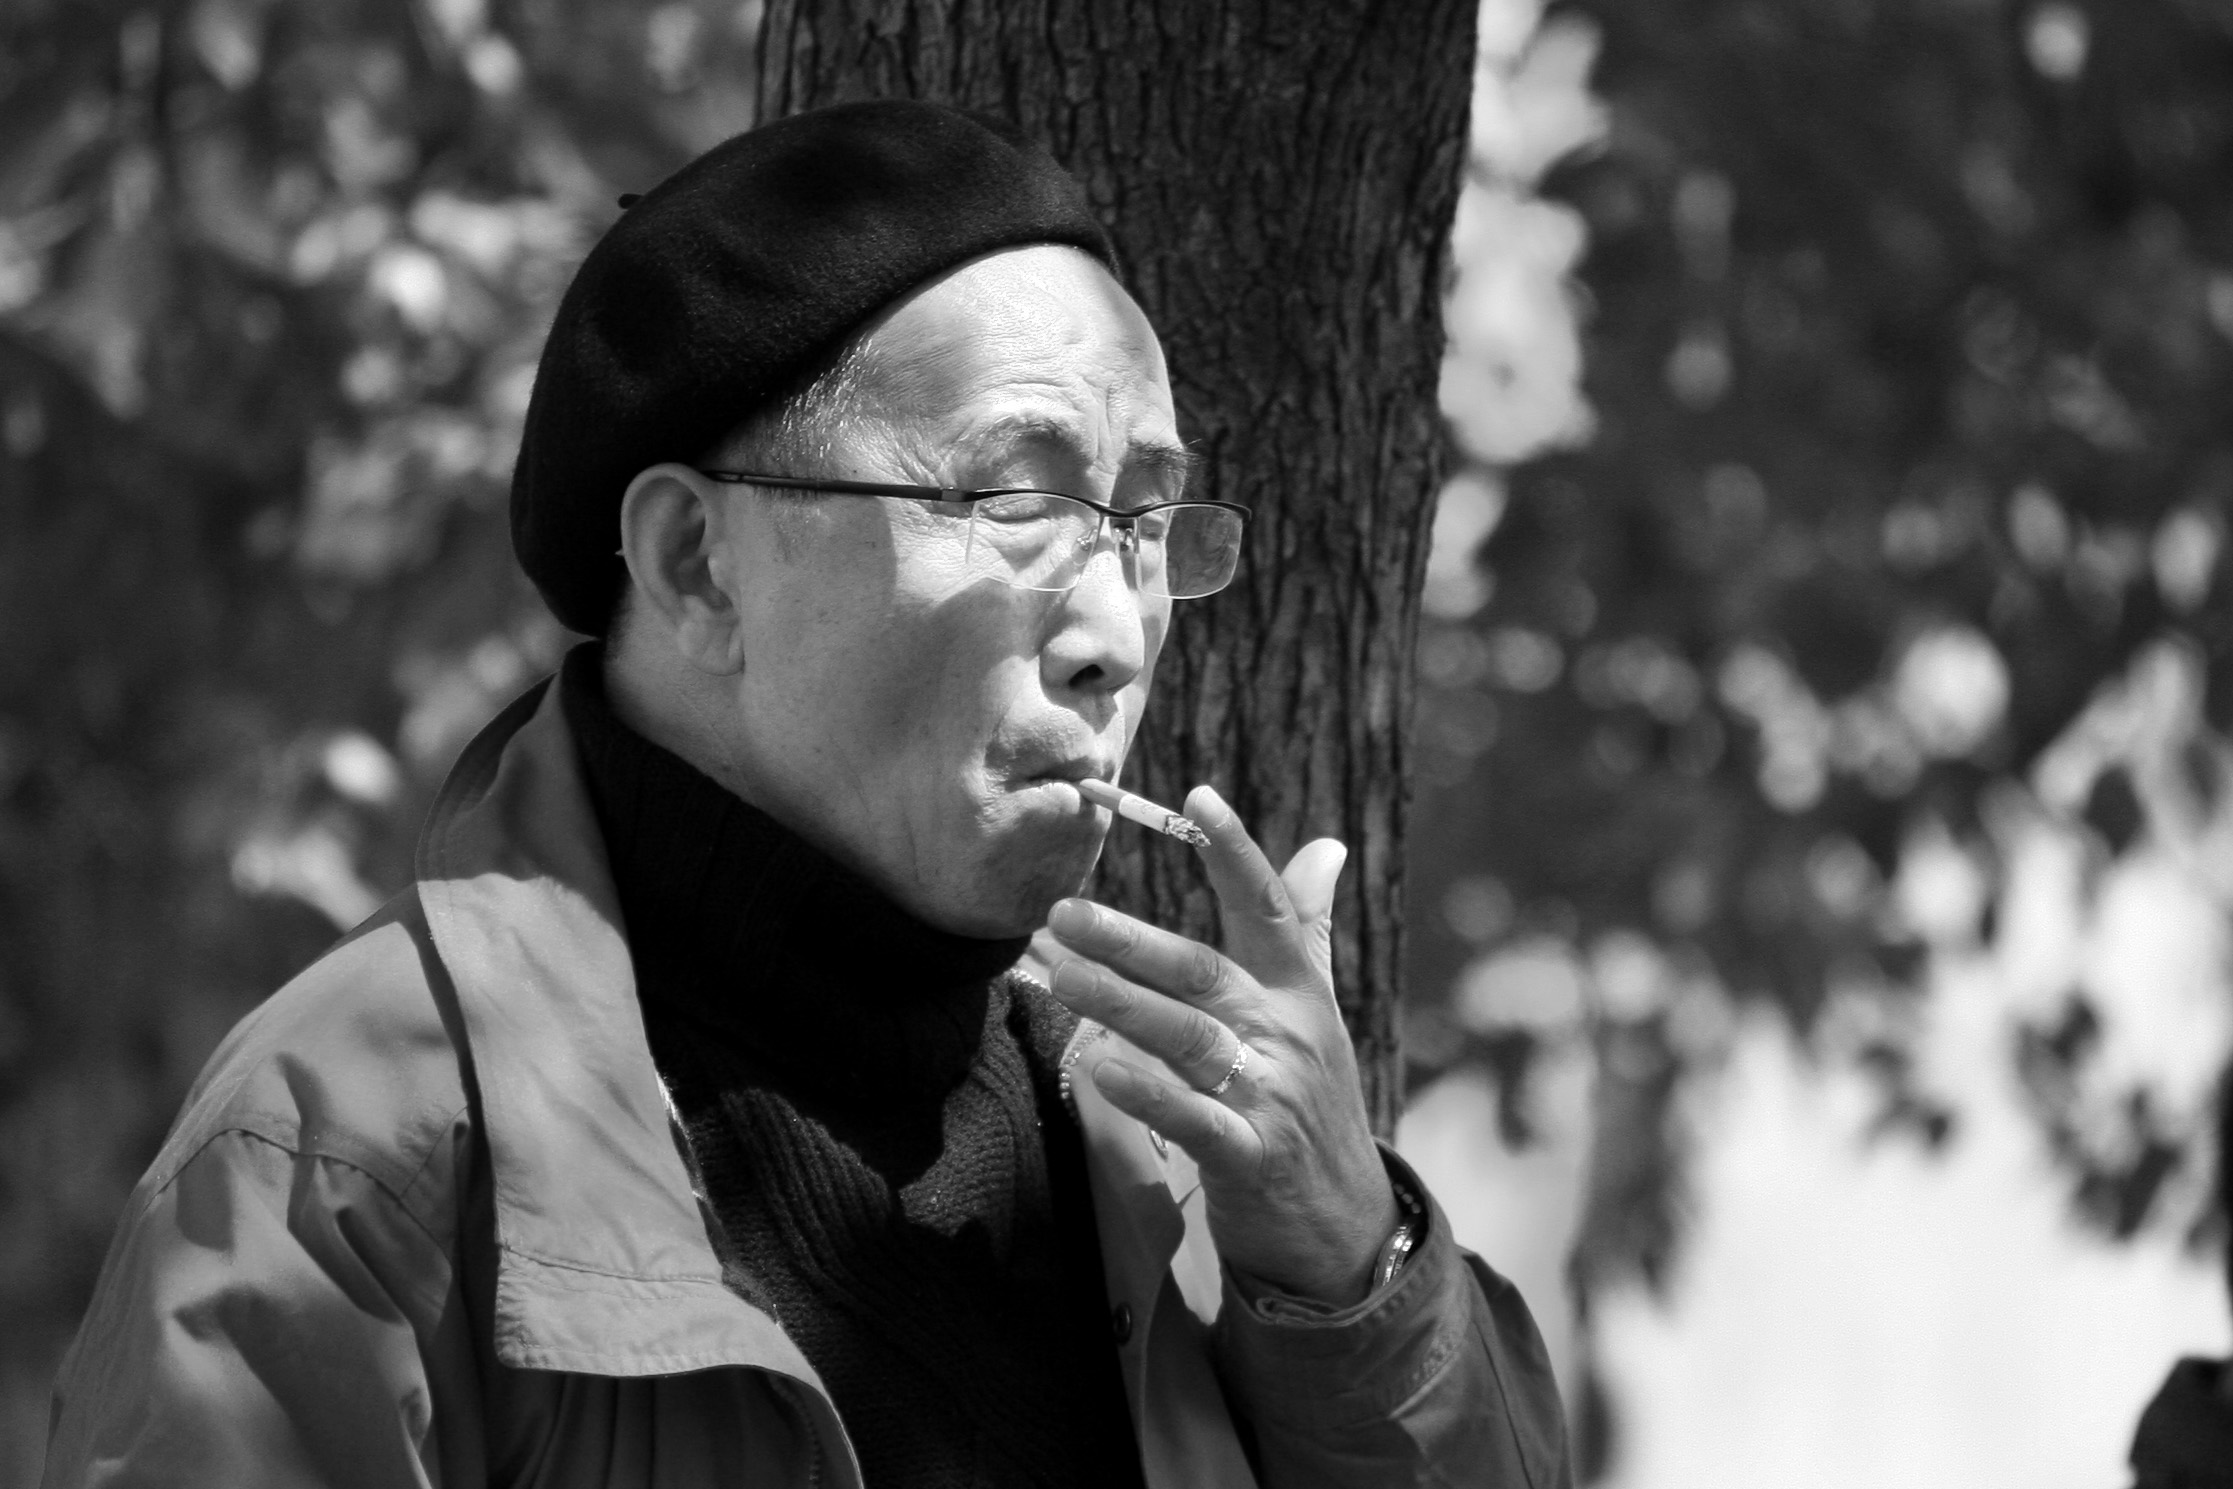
(1152, 494)
(1022, 507)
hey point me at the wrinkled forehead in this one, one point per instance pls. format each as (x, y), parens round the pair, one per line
(1029, 346)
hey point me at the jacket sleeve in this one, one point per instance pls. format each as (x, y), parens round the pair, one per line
(1441, 1378)
(265, 1318)
(2185, 1437)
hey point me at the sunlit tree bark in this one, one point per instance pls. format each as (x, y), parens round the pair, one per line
(1280, 180)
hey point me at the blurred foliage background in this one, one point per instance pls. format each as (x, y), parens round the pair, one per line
(1848, 383)
(273, 278)
(1844, 386)
(1909, 343)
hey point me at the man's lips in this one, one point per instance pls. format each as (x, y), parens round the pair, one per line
(1054, 759)
(1087, 762)
(1070, 773)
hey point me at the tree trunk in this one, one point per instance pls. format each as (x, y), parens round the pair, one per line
(1279, 179)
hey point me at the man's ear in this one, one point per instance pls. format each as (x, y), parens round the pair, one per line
(670, 535)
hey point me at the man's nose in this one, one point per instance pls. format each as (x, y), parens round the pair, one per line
(1100, 641)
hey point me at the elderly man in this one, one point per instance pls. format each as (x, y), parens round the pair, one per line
(702, 1115)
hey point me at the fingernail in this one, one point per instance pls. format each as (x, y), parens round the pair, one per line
(1218, 813)
(1114, 1075)
(1071, 918)
(1081, 980)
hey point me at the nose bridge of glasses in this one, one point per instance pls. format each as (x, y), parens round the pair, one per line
(1115, 534)
(1121, 530)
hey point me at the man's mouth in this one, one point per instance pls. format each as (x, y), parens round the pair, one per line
(1067, 776)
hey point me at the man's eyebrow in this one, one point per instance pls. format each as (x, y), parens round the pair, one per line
(1156, 457)
(1168, 460)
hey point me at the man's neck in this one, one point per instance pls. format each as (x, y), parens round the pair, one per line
(738, 925)
(667, 701)
(678, 708)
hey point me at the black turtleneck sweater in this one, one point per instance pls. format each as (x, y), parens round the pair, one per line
(871, 1105)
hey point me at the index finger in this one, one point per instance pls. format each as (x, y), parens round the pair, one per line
(1263, 931)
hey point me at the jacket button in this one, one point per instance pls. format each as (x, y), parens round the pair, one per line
(1120, 1322)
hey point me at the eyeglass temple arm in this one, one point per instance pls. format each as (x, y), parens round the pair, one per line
(841, 488)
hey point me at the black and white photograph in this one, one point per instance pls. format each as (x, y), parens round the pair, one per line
(1136, 744)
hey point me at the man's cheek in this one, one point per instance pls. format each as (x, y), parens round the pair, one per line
(909, 686)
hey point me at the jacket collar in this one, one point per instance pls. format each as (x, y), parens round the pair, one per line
(590, 1193)
(603, 1262)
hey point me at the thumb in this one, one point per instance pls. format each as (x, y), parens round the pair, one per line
(1310, 877)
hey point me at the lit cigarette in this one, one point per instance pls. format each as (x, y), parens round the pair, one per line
(1139, 809)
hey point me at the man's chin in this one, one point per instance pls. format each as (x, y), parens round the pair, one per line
(1020, 882)
(1003, 914)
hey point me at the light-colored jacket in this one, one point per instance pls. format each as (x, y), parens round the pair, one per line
(423, 1221)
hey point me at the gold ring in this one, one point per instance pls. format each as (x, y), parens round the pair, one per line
(1240, 1063)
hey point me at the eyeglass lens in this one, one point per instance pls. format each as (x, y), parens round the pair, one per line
(1038, 540)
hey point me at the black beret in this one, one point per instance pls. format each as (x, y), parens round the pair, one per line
(730, 280)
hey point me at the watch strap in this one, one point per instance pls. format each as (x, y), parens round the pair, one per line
(1410, 1230)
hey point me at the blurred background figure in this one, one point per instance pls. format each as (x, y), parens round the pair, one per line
(1822, 850)
(2185, 1438)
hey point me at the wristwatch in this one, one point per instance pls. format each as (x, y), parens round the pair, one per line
(1410, 1230)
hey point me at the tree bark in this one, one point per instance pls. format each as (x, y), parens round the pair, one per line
(1279, 179)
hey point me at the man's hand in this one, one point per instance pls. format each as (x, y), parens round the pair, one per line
(1298, 1197)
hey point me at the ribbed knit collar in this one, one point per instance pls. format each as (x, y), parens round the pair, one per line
(832, 993)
